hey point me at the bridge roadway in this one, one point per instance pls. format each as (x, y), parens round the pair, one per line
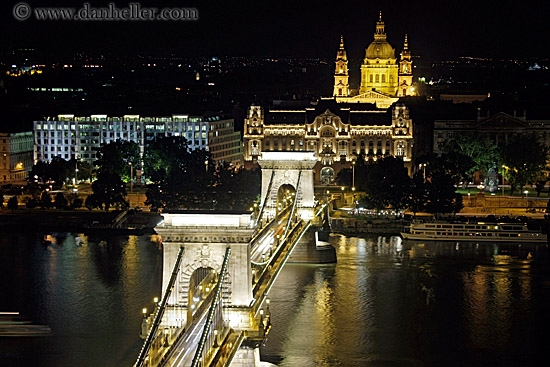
(183, 351)
(263, 246)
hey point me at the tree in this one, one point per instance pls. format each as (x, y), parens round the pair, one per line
(76, 203)
(166, 154)
(108, 189)
(387, 183)
(360, 172)
(92, 202)
(12, 203)
(118, 157)
(483, 152)
(540, 180)
(437, 186)
(345, 177)
(57, 172)
(524, 157)
(31, 203)
(455, 165)
(45, 200)
(60, 202)
(82, 170)
(442, 196)
(418, 195)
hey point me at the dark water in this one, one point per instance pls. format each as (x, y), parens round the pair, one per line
(385, 303)
(423, 304)
(89, 293)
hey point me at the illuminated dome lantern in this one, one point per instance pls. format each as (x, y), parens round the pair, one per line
(379, 70)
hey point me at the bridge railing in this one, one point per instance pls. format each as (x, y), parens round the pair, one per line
(270, 273)
(294, 204)
(275, 257)
(153, 332)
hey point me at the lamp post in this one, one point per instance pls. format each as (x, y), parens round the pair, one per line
(76, 172)
(131, 177)
(353, 175)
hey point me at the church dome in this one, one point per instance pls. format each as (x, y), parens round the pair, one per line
(380, 49)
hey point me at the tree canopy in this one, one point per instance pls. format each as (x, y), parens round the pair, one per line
(523, 158)
(118, 157)
(482, 151)
(386, 183)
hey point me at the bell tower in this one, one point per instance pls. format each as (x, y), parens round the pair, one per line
(341, 85)
(405, 72)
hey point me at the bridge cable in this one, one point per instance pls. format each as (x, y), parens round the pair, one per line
(217, 298)
(293, 205)
(160, 311)
(266, 197)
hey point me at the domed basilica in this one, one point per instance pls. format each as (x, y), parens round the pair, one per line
(383, 79)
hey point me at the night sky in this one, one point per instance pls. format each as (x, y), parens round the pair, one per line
(436, 29)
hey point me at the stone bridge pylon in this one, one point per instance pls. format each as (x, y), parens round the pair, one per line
(294, 169)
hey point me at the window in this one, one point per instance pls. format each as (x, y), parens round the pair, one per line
(400, 152)
(377, 78)
(370, 79)
(383, 78)
(327, 175)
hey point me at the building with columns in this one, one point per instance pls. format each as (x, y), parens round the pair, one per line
(383, 78)
(335, 132)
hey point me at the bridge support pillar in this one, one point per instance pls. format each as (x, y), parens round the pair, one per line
(205, 238)
(286, 167)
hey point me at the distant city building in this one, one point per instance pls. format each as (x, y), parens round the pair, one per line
(499, 128)
(336, 132)
(17, 156)
(69, 136)
(383, 79)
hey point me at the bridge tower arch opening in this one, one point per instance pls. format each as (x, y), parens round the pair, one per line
(285, 196)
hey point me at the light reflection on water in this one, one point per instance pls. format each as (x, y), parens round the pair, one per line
(393, 303)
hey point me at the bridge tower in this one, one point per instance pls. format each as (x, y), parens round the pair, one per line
(205, 238)
(293, 169)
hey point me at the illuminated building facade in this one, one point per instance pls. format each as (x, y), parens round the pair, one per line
(499, 128)
(336, 132)
(16, 160)
(383, 78)
(69, 136)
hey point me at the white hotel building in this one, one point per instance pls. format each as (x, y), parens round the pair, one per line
(70, 136)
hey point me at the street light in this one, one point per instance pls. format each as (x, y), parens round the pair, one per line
(353, 175)
(131, 177)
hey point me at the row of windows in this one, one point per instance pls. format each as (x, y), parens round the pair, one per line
(128, 126)
(379, 78)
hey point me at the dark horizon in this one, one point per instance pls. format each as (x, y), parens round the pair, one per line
(505, 30)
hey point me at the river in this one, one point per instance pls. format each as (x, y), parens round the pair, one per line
(385, 303)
